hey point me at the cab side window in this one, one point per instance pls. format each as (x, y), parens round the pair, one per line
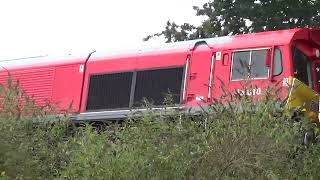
(277, 62)
(301, 65)
(249, 64)
(240, 65)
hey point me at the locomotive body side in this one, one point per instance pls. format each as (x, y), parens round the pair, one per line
(114, 86)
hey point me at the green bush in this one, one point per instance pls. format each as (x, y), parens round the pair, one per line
(238, 139)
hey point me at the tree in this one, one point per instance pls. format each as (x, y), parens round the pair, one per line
(229, 17)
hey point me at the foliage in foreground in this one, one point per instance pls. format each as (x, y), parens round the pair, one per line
(237, 140)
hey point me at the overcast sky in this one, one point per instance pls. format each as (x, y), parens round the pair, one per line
(39, 27)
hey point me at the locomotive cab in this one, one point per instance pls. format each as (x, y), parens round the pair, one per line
(305, 73)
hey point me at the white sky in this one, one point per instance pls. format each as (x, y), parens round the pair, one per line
(39, 27)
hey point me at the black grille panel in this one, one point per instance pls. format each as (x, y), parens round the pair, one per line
(155, 84)
(109, 91)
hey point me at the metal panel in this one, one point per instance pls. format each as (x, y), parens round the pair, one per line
(109, 91)
(67, 87)
(36, 83)
(154, 85)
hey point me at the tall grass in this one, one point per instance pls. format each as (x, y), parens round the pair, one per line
(240, 139)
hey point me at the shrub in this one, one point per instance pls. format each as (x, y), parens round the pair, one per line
(30, 146)
(232, 139)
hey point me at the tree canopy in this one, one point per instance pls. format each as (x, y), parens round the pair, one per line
(229, 17)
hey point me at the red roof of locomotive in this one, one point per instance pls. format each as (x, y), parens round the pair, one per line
(262, 39)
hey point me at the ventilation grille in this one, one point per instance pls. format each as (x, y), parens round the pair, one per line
(109, 91)
(36, 83)
(116, 91)
(155, 85)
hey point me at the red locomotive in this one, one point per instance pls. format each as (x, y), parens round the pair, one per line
(104, 86)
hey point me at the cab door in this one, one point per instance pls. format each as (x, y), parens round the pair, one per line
(199, 79)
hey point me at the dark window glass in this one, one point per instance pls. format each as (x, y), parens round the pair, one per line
(108, 91)
(317, 69)
(154, 85)
(258, 68)
(240, 65)
(277, 64)
(301, 66)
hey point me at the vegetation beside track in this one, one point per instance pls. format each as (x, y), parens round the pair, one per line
(243, 139)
